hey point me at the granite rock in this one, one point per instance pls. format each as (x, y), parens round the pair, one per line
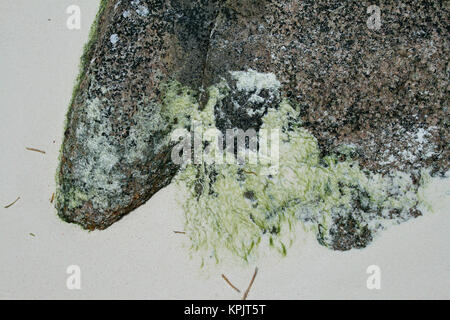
(115, 154)
(382, 93)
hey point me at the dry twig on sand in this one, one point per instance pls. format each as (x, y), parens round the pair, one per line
(229, 283)
(35, 150)
(13, 203)
(250, 285)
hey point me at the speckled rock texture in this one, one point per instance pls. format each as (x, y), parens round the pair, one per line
(383, 92)
(115, 154)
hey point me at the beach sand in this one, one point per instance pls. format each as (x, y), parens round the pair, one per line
(141, 256)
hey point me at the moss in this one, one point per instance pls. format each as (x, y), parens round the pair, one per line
(87, 50)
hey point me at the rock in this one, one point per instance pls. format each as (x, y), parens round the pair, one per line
(115, 154)
(380, 91)
(382, 94)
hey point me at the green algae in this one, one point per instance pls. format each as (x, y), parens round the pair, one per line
(231, 209)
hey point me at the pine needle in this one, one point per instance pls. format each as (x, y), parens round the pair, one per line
(35, 150)
(250, 285)
(13, 203)
(230, 284)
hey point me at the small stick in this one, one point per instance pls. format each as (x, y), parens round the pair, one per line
(179, 232)
(11, 204)
(250, 285)
(53, 197)
(35, 150)
(229, 283)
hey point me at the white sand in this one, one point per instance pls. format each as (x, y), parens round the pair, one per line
(140, 257)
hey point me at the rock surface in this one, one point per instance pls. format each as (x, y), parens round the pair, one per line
(383, 92)
(115, 154)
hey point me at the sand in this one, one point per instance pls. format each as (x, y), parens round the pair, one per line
(141, 256)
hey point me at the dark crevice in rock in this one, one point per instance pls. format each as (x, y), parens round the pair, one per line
(192, 22)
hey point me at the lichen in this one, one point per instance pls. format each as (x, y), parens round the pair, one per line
(97, 179)
(255, 82)
(83, 65)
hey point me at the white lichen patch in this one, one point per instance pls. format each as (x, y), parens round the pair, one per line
(100, 179)
(411, 146)
(255, 82)
(252, 80)
(148, 122)
(98, 182)
(142, 11)
(114, 39)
